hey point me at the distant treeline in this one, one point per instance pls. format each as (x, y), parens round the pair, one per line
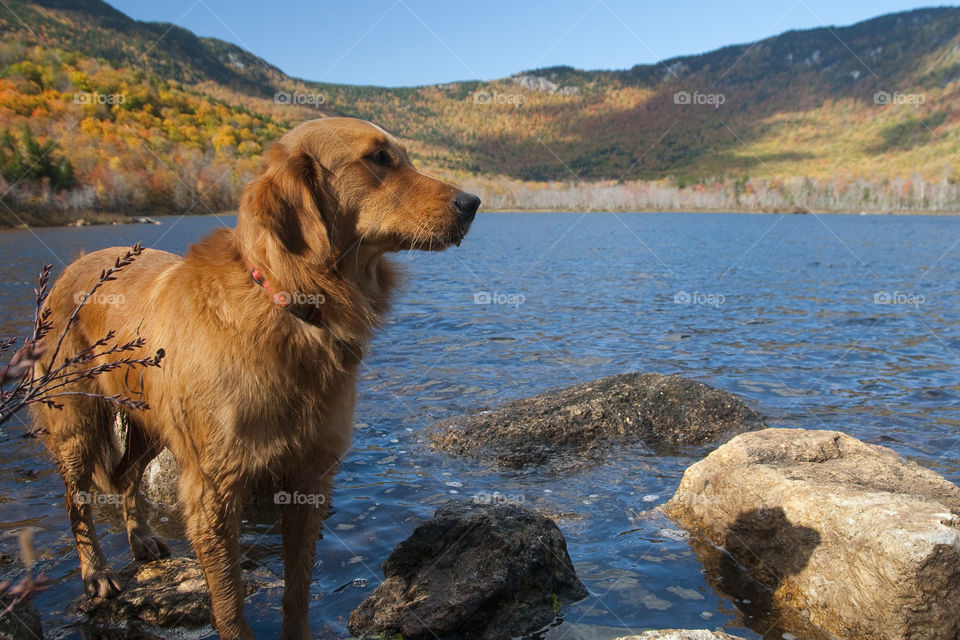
(739, 194)
(39, 202)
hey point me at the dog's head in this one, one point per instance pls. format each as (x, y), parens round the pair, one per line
(336, 186)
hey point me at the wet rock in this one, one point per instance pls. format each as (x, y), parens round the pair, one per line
(578, 426)
(170, 593)
(22, 622)
(842, 536)
(475, 571)
(682, 634)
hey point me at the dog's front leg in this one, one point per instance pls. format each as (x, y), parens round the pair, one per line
(214, 531)
(301, 526)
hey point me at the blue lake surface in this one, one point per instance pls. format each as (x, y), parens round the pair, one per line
(838, 322)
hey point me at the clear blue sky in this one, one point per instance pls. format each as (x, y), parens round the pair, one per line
(413, 42)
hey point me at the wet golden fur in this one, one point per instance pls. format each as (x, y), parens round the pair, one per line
(247, 393)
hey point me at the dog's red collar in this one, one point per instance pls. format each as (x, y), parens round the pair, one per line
(309, 313)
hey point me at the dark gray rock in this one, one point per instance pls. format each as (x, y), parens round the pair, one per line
(22, 622)
(578, 426)
(483, 572)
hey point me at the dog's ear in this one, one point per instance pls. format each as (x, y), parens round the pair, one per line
(286, 199)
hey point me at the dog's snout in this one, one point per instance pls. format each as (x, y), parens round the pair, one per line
(466, 205)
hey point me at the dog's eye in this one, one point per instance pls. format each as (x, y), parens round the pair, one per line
(380, 157)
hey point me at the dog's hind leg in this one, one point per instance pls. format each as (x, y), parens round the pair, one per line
(79, 438)
(138, 451)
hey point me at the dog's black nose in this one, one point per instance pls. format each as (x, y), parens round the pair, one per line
(466, 205)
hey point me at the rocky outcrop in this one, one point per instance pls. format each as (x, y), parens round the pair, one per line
(682, 634)
(576, 427)
(168, 594)
(535, 83)
(828, 533)
(474, 571)
(539, 83)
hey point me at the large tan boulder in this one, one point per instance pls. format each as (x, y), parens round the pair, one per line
(848, 537)
(682, 634)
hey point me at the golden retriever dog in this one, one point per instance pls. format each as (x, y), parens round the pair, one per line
(263, 327)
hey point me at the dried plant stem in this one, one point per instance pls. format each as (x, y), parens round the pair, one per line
(30, 386)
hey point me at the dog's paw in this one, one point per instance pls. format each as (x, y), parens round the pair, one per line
(102, 583)
(147, 546)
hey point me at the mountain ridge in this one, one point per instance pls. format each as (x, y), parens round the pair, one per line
(775, 116)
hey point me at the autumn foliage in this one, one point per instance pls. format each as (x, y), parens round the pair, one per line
(102, 113)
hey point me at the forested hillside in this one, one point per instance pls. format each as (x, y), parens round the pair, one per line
(99, 112)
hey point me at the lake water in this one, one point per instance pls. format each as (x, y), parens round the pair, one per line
(839, 322)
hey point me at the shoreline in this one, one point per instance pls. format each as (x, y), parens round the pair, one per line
(99, 219)
(734, 211)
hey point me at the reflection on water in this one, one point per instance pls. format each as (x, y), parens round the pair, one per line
(837, 322)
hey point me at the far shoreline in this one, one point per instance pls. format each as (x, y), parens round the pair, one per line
(98, 219)
(733, 211)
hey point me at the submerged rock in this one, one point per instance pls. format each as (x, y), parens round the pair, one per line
(578, 426)
(483, 572)
(827, 534)
(170, 593)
